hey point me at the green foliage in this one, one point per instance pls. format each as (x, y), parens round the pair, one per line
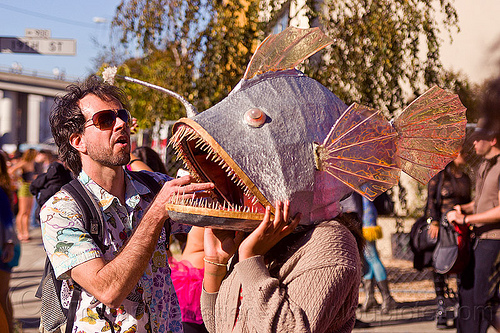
(163, 68)
(200, 49)
(228, 42)
(382, 48)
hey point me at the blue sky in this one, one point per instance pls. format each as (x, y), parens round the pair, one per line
(472, 51)
(66, 19)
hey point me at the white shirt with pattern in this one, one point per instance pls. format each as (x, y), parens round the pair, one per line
(152, 306)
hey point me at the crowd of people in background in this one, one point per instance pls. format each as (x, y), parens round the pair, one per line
(17, 215)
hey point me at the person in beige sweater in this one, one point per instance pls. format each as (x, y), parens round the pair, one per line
(305, 281)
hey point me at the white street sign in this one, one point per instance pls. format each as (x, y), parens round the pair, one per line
(50, 46)
(40, 33)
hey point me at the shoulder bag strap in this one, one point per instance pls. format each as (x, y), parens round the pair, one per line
(438, 193)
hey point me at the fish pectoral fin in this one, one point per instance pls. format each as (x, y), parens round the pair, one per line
(360, 151)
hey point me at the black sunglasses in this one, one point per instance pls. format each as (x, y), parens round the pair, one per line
(106, 119)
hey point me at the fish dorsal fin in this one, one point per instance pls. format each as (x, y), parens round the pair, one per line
(286, 50)
(365, 152)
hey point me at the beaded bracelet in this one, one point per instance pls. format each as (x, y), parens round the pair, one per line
(214, 263)
(464, 219)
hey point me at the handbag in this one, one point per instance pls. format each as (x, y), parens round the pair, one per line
(421, 241)
(419, 236)
(452, 251)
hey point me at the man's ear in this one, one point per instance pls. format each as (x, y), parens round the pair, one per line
(77, 142)
(494, 142)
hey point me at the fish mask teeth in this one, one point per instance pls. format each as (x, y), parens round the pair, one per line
(189, 134)
(201, 159)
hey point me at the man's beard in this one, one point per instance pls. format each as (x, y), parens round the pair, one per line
(108, 158)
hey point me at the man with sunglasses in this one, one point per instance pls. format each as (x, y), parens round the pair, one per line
(126, 283)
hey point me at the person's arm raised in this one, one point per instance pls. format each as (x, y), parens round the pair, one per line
(220, 245)
(113, 281)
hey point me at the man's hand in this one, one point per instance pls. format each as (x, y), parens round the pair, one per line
(455, 216)
(181, 188)
(458, 208)
(433, 230)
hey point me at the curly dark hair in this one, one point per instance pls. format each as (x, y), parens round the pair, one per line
(66, 117)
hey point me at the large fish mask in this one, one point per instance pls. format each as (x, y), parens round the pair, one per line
(281, 135)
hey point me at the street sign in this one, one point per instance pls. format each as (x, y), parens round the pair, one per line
(40, 33)
(51, 46)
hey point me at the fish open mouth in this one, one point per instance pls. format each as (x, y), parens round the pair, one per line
(235, 203)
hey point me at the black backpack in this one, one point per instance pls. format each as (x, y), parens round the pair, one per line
(47, 184)
(53, 315)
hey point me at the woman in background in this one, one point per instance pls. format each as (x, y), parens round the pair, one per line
(450, 187)
(7, 237)
(26, 166)
(146, 156)
(187, 277)
(376, 272)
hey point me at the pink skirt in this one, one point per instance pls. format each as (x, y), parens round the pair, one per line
(187, 282)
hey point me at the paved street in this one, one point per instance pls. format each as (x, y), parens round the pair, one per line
(24, 283)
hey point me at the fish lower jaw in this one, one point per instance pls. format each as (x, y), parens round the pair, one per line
(231, 212)
(177, 201)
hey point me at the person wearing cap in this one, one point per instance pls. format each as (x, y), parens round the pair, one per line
(478, 291)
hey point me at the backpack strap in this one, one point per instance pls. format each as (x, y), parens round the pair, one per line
(71, 314)
(154, 187)
(91, 213)
(93, 224)
(439, 199)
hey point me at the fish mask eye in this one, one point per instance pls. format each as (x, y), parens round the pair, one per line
(255, 117)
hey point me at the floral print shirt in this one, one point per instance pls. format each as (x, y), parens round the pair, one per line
(152, 306)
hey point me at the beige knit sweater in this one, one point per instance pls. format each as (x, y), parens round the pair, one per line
(314, 288)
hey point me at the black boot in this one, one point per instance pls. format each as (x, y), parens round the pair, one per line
(370, 301)
(388, 303)
(440, 286)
